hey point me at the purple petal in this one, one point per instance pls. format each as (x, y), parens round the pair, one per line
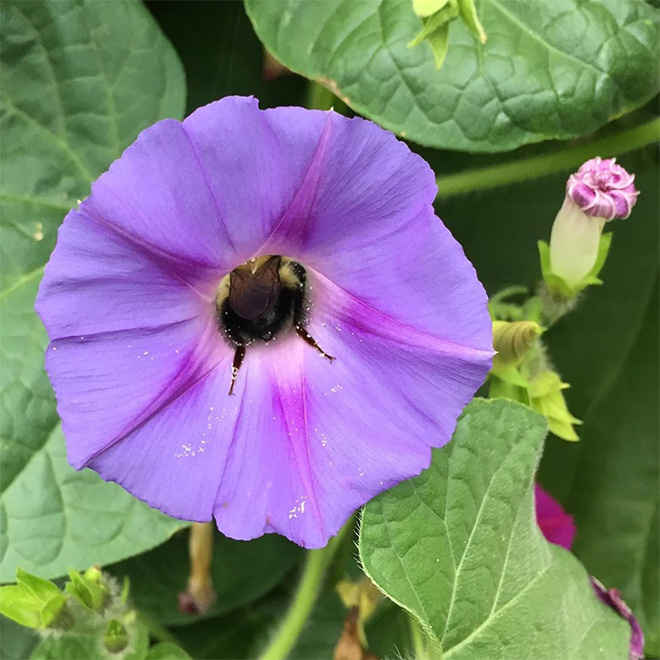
(157, 194)
(255, 163)
(175, 458)
(612, 598)
(603, 189)
(126, 334)
(556, 525)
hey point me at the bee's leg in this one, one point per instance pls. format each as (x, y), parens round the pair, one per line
(312, 342)
(238, 360)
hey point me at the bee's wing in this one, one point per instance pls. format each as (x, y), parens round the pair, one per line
(253, 295)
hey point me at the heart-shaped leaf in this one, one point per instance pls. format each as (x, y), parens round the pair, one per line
(548, 70)
(459, 547)
(80, 79)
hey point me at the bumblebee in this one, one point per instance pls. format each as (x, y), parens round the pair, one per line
(260, 300)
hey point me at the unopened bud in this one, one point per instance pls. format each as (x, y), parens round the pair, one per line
(603, 189)
(34, 602)
(89, 589)
(600, 191)
(512, 340)
(115, 639)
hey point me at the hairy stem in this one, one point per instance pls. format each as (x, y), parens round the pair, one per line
(525, 169)
(417, 637)
(309, 588)
(424, 646)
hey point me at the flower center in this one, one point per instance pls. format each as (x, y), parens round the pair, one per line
(261, 299)
(602, 180)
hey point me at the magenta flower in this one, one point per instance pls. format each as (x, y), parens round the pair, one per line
(556, 524)
(244, 248)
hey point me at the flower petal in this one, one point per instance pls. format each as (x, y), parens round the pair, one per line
(158, 196)
(175, 459)
(126, 334)
(555, 523)
(255, 163)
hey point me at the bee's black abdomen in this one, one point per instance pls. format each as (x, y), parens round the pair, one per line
(263, 328)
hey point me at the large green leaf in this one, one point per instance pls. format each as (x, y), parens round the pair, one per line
(459, 547)
(242, 572)
(548, 69)
(80, 79)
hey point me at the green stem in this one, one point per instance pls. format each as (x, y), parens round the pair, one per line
(425, 647)
(303, 601)
(156, 630)
(419, 648)
(321, 98)
(525, 169)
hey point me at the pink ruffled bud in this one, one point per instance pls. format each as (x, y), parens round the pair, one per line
(603, 189)
(598, 192)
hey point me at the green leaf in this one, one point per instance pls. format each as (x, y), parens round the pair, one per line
(242, 572)
(167, 651)
(548, 69)
(16, 642)
(32, 602)
(80, 80)
(56, 518)
(459, 547)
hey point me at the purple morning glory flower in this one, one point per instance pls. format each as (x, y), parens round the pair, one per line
(243, 249)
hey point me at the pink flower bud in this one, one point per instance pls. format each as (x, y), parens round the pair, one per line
(603, 189)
